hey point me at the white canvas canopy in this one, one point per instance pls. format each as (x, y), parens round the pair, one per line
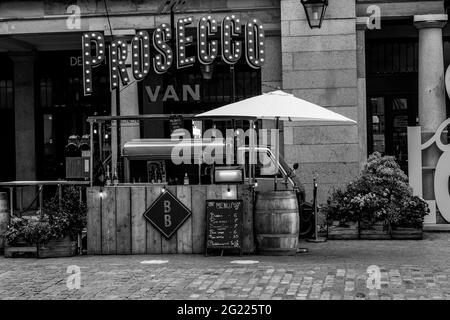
(276, 105)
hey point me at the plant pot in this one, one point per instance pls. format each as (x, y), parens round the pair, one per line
(377, 231)
(20, 249)
(348, 232)
(407, 233)
(63, 247)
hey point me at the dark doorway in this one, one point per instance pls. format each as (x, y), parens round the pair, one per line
(7, 134)
(392, 95)
(388, 119)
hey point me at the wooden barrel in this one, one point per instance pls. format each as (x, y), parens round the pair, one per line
(4, 218)
(277, 222)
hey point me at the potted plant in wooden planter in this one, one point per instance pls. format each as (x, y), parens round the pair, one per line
(380, 201)
(379, 230)
(53, 236)
(374, 223)
(54, 232)
(410, 224)
(19, 241)
(342, 220)
(67, 218)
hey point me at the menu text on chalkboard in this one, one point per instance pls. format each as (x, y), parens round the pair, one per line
(224, 224)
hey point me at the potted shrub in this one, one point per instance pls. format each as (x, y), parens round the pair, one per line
(54, 232)
(341, 216)
(19, 237)
(67, 218)
(378, 201)
(409, 225)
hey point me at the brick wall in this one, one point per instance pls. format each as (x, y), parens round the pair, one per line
(320, 65)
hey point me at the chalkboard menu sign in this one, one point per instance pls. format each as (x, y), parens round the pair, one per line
(224, 224)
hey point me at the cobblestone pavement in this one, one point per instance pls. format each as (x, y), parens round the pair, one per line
(331, 270)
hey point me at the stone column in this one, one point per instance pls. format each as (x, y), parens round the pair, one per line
(361, 26)
(129, 105)
(432, 109)
(24, 120)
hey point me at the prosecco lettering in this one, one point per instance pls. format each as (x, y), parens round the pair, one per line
(164, 56)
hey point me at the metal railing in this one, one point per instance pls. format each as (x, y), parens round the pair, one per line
(12, 185)
(115, 142)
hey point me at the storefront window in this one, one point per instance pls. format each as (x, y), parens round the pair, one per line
(388, 56)
(399, 129)
(63, 109)
(392, 93)
(378, 124)
(46, 92)
(388, 117)
(188, 91)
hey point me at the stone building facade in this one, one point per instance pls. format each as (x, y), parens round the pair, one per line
(337, 66)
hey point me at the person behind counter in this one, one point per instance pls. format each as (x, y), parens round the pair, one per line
(298, 185)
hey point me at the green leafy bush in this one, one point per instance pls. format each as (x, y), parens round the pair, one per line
(380, 193)
(57, 220)
(70, 218)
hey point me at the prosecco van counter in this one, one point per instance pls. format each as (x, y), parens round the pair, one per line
(116, 221)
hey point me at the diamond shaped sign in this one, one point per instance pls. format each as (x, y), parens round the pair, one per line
(167, 214)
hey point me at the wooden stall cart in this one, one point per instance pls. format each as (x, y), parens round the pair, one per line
(116, 224)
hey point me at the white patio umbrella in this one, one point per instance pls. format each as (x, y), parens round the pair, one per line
(276, 105)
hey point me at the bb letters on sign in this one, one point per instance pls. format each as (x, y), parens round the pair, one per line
(167, 218)
(167, 214)
(93, 49)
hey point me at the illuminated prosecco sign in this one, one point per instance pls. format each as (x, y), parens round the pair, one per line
(164, 56)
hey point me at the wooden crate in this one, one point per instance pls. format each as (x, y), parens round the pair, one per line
(77, 168)
(336, 232)
(407, 233)
(377, 231)
(64, 247)
(20, 249)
